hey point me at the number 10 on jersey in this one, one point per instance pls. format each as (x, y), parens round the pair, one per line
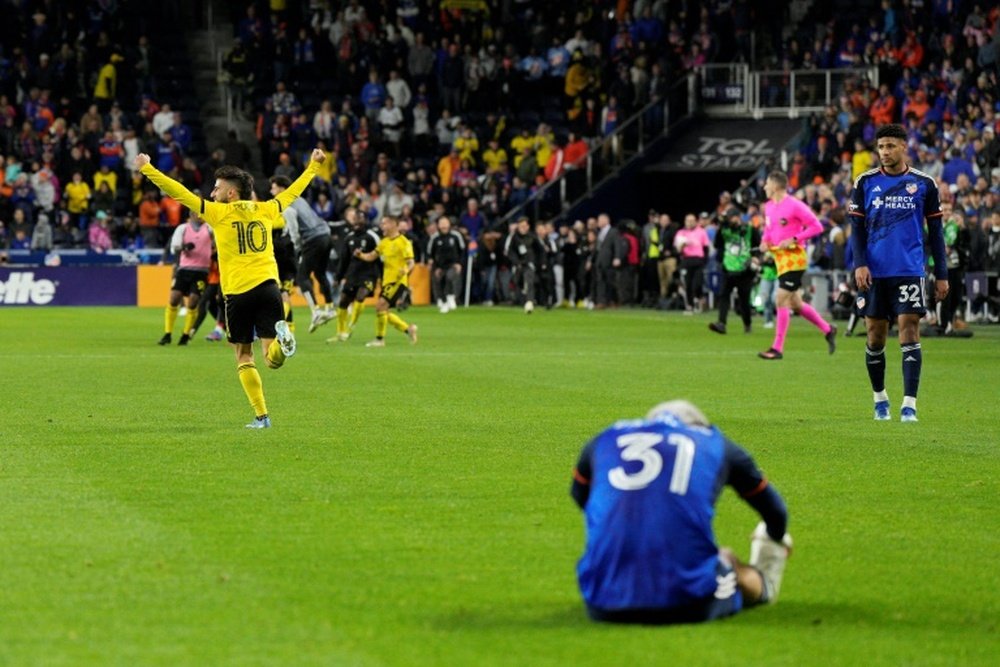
(251, 235)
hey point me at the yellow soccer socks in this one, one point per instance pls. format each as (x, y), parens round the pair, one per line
(252, 386)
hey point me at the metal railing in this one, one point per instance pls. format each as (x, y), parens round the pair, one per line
(734, 90)
(608, 154)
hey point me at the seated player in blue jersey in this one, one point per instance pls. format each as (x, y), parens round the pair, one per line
(888, 209)
(648, 489)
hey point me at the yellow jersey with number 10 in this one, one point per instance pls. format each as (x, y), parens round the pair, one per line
(242, 229)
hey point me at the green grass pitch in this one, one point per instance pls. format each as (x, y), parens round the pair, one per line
(410, 505)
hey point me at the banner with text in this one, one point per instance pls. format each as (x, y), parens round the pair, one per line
(731, 145)
(68, 286)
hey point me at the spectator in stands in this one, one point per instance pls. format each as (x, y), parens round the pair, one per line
(452, 79)
(41, 236)
(77, 196)
(373, 95)
(181, 132)
(957, 166)
(473, 221)
(106, 88)
(163, 120)
(168, 153)
(399, 90)
(99, 235)
(610, 119)
(104, 198)
(149, 220)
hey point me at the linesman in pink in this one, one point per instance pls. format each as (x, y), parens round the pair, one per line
(789, 224)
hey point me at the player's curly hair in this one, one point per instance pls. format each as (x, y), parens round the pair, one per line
(239, 178)
(891, 131)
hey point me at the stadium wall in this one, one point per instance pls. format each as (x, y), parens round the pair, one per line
(143, 285)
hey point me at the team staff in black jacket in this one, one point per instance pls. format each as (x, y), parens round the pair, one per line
(356, 276)
(527, 256)
(445, 252)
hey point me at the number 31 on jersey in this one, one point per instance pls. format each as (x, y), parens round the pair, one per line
(640, 447)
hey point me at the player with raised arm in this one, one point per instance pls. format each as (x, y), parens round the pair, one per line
(888, 209)
(789, 224)
(249, 273)
(396, 252)
(648, 489)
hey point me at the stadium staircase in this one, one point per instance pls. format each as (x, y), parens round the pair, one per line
(207, 43)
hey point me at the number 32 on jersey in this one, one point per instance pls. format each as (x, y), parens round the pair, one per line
(640, 447)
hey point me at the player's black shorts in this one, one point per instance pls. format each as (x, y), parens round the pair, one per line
(189, 281)
(352, 290)
(791, 280)
(726, 601)
(284, 255)
(256, 310)
(394, 293)
(888, 298)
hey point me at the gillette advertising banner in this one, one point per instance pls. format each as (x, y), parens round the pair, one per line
(68, 286)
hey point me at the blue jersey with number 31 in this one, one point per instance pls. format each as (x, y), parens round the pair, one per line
(652, 486)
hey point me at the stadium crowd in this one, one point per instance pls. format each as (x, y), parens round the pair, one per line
(938, 65)
(82, 91)
(464, 109)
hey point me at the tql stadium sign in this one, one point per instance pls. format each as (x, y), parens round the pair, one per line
(730, 145)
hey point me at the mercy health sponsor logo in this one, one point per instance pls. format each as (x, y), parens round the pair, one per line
(21, 288)
(895, 202)
(68, 286)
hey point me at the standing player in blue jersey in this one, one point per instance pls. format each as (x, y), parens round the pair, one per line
(888, 209)
(648, 489)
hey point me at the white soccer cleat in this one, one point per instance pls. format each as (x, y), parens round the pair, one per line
(769, 557)
(285, 338)
(450, 302)
(529, 307)
(319, 318)
(378, 342)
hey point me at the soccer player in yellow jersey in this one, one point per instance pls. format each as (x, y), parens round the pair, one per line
(396, 252)
(249, 273)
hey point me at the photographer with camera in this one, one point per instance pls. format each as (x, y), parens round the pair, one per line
(192, 244)
(736, 243)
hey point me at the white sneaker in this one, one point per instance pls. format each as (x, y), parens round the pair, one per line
(487, 303)
(339, 338)
(768, 325)
(769, 557)
(451, 302)
(378, 342)
(319, 318)
(529, 307)
(285, 338)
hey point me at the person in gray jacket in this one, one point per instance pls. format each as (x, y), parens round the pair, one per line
(311, 237)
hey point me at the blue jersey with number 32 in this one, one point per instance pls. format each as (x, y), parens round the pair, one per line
(653, 485)
(888, 212)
